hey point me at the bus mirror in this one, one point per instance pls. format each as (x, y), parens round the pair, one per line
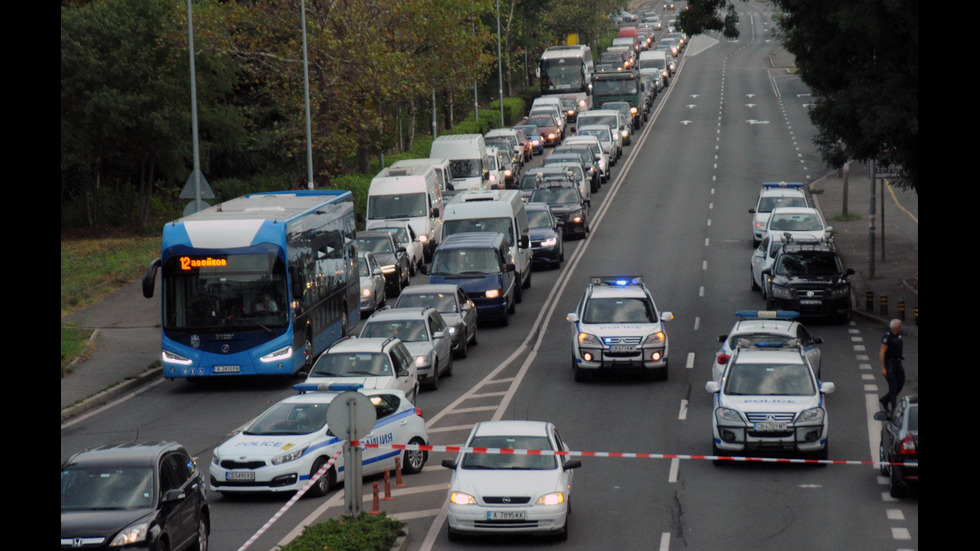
(149, 278)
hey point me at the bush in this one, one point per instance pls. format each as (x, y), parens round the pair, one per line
(364, 532)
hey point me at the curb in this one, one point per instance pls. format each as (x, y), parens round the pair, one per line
(110, 393)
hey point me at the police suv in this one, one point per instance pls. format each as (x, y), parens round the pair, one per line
(769, 401)
(616, 326)
(281, 449)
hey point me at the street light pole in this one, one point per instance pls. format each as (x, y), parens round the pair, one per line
(500, 70)
(306, 94)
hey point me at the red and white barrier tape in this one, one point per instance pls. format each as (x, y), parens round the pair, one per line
(507, 451)
(299, 493)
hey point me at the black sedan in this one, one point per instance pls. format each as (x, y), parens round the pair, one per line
(545, 229)
(395, 264)
(134, 495)
(568, 205)
(900, 445)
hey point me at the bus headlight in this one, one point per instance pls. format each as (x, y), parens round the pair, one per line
(279, 355)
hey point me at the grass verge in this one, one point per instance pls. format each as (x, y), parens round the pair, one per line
(364, 532)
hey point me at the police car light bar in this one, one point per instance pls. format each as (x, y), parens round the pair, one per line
(616, 280)
(767, 314)
(782, 184)
(333, 387)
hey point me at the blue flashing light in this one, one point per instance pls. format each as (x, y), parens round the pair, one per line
(333, 387)
(782, 184)
(616, 280)
(767, 314)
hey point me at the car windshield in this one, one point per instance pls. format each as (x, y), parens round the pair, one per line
(375, 244)
(539, 219)
(804, 221)
(603, 135)
(354, 364)
(442, 302)
(465, 261)
(766, 204)
(808, 264)
(464, 225)
(106, 488)
(400, 234)
(556, 196)
(383, 207)
(531, 130)
(363, 269)
(542, 120)
(406, 330)
(749, 379)
(465, 168)
(289, 418)
(536, 180)
(619, 310)
(913, 418)
(509, 461)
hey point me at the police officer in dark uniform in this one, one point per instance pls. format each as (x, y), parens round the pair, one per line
(891, 364)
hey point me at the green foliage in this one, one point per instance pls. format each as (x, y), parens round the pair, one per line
(364, 532)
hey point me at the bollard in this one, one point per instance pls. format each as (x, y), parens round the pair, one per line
(915, 313)
(884, 305)
(387, 488)
(375, 509)
(398, 473)
(901, 309)
(869, 301)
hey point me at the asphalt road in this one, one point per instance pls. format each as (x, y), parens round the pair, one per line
(674, 213)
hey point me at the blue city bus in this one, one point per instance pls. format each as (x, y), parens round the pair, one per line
(258, 285)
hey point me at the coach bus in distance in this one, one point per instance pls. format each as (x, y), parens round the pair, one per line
(258, 285)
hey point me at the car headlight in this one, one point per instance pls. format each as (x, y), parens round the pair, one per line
(581, 102)
(459, 498)
(134, 533)
(778, 291)
(839, 292)
(493, 293)
(728, 416)
(422, 361)
(654, 338)
(811, 416)
(625, 133)
(550, 242)
(389, 269)
(366, 292)
(589, 340)
(555, 498)
(291, 455)
(633, 110)
(423, 238)
(508, 173)
(452, 330)
(283, 353)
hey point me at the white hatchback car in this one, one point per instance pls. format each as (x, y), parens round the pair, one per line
(371, 363)
(769, 401)
(425, 334)
(281, 449)
(775, 327)
(495, 493)
(798, 224)
(406, 237)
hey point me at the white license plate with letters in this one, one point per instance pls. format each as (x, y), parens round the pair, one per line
(770, 426)
(506, 515)
(246, 476)
(622, 348)
(227, 369)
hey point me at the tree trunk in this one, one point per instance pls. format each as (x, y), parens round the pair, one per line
(145, 192)
(447, 107)
(363, 158)
(410, 125)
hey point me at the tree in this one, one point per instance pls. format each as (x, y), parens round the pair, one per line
(860, 59)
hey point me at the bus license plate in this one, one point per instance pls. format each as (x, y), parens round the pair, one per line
(770, 427)
(505, 515)
(622, 348)
(240, 476)
(227, 369)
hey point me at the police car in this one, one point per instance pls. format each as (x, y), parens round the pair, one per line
(616, 326)
(769, 401)
(772, 327)
(284, 446)
(772, 195)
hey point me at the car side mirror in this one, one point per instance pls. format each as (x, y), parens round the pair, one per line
(424, 269)
(666, 316)
(438, 334)
(572, 464)
(849, 272)
(712, 387)
(403, 373)
(449, 463)
(817, 340)
(510, 267)
(572, 317)
(881, 416)
(827, 388)
(435, 212)
(173, 496)
(721, 338)
(525, 241)
(752, 211)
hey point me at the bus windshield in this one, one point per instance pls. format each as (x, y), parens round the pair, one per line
(231, 290)
(562, 74)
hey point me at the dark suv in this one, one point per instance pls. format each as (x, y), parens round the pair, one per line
(137, 495)
(809, 278)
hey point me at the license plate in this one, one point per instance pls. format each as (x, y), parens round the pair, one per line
(809, 301)
(505, 515)
(770, 427)
(240, 475)
(227, 369)
(622, 348)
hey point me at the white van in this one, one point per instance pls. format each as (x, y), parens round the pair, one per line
(496, 210)
(441, 166)
(467, 154)
(409, 193)
(655, 61)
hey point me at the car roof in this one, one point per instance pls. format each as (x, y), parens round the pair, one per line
(119, 453)
(429, 288)
(511, 428)
(471, 239)
(308, 395)
(358, 344)
(774, 355)
(400, 313)
(607, 291)
(795, 210)
(373, 233)
(535, 205)
(783, 327)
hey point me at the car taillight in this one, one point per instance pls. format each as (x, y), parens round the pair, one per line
(907, 446)
(418, 411)
(723, 358)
